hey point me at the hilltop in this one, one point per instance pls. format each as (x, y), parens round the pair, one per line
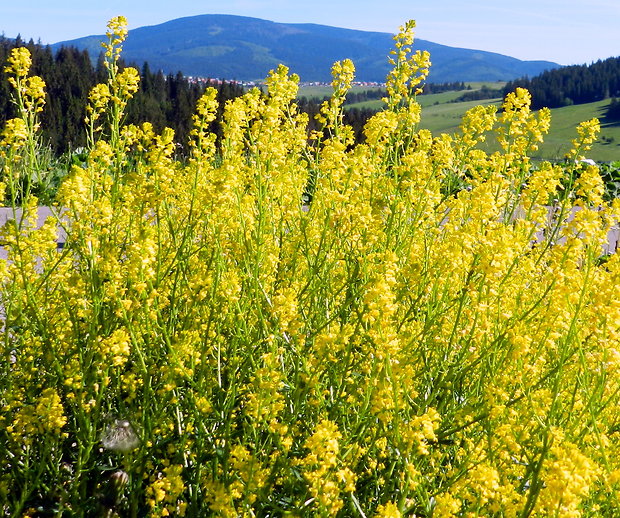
(242, 48)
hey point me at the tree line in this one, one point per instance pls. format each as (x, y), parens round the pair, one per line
(613, 112)
(164, 100)
(484, 92)
(428, 88)
(576, 84)
(373, 94)
(69, 74)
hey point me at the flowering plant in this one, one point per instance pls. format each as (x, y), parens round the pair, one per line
(207, 342)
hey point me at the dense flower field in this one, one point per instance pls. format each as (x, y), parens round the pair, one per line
(288, 324)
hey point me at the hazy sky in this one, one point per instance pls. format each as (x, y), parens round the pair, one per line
(564, 31)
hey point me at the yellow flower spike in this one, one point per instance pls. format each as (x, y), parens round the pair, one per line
(323, 469)
(521, 130)
(117, 27)
(541, 186)
(165, 493)
(46, 416)
(126, 84)
(567, 479)
(207, 106)
(590, 186)
(409, 70)
(21, 139)
(588, 133)
(116, 347)
(475, 123)
(330, 114)
(281, 87)
(343, 73)
(34, 95)
(389, 510)
(19, 62)
(116, 33)
(202, 141)
(14, 134)
(98, 97)
(249, 470)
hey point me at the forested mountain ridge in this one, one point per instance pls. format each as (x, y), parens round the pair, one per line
(242, 48)
(69, 74)
(577, 84)
(163, 100)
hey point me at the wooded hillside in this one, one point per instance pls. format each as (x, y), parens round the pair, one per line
(164, 100)
(577, 84)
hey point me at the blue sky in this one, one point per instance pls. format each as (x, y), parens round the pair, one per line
(564, 31)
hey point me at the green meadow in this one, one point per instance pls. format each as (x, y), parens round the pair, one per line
(319, 92)
(563, 123)
(442, 115)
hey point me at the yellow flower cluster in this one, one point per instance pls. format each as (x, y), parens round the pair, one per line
(19, 63)
(330, 114)
(45, 416)
(30, 90)
(164, 492)
(568, 480)
(116, 33)
(588, 132)
(19, 140)
(14, 136)
(389, 510)
(323, 469)
(116, 348)
(408, 70)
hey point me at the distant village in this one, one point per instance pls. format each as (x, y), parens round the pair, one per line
(250, 84)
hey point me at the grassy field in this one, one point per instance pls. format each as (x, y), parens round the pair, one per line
(446, 118)
(441, 99)
(477, 85)
(319, 92)
(442, 115)
(563, 123)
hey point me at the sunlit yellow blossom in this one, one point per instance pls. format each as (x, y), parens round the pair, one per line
(14, 134)
(116, 347)
(588, 132)
(568, 480)
(165, 490)
(116, 33)
(590, 186)
(19, 62)
(409, 70)
(389, 510)
(323, 470)
(45, 416)
(330, 114)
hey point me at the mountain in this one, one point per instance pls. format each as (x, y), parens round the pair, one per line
(236, 47)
